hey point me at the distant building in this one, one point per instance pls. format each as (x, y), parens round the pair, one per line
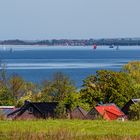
(126, 107)
(34, 110)
(107, 112)
(78, 113)
(5, 110)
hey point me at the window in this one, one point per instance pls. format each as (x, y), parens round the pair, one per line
(30, 110)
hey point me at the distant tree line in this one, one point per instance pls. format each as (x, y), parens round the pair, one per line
(104, 87)
(76, 42)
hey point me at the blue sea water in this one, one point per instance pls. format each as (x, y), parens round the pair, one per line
(38, 63)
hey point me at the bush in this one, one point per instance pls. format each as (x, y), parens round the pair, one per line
(61, 110)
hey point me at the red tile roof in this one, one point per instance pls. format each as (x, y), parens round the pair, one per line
(109, 111)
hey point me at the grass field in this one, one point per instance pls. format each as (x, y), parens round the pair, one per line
(69, 130)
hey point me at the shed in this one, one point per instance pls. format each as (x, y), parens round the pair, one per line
(78, 113)
(126, 107)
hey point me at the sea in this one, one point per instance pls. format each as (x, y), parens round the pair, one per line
(39, 63)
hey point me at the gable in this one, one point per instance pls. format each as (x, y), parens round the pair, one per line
(78, 113)
(92, 114)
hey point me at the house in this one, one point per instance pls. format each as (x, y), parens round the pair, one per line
(34, 110)
(126, 107)
(78, 113)
(5, 110)
(106, 111)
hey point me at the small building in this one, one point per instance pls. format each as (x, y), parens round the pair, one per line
(5, 110)
(34, 110)
(78, 113)
(126, 107)
(107, 112)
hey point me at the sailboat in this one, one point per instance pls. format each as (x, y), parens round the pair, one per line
(94, 46)
(111, 46)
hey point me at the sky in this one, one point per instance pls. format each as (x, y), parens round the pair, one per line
(69, 19)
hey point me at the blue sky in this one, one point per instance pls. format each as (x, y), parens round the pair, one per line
(47, 19)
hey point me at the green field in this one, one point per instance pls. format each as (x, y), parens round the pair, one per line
(69, 130)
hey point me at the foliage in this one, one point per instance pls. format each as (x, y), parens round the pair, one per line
(61, 110)
(60, 88)
(133, 69)
(108, 87)
(6, 97)
(134, 111)
(16, 85)
(28, 96)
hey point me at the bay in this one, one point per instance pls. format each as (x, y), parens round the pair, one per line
(38, 63)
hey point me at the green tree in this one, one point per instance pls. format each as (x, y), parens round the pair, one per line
(6, 97)
(16, 86)
(47, 94)
(107, 87)
(60, 89)
(133, 69)
(62, 86)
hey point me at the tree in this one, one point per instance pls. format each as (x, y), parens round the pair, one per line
(46, 94)
(133, 69)
(107, 87)
(6, 97)
(16, 86)
(60, 89)
(62, 86)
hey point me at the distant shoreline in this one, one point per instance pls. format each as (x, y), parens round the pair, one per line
(76, 42)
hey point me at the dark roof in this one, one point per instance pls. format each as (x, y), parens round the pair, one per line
(45, 107)
(42, 107)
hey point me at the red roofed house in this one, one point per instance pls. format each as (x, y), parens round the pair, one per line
(106, 111)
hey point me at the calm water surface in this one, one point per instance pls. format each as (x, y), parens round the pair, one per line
(37, 63)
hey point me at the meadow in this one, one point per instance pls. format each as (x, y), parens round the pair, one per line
(69, 130)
